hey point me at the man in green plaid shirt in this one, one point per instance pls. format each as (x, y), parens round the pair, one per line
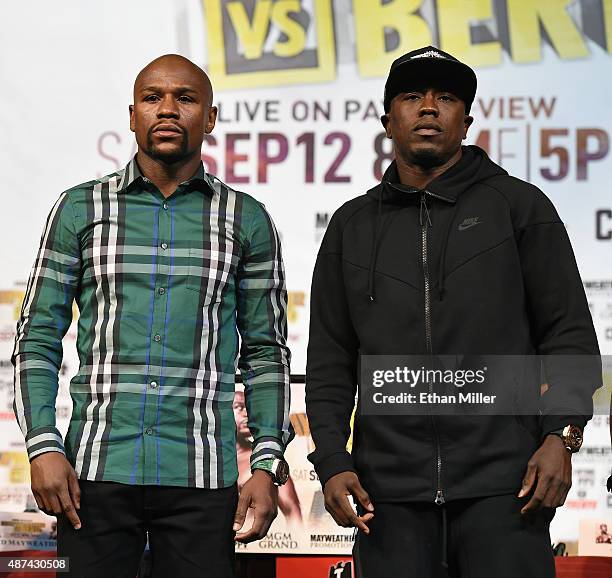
(176, 277)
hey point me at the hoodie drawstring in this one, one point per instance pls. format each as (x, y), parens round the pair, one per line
(424, 217)
(374, 255)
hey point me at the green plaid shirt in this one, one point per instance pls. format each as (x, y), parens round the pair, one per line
(164, 287)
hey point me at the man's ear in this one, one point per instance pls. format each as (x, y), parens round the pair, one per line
(467, 122)
(211, 120)
(384, 119)
(132, 123)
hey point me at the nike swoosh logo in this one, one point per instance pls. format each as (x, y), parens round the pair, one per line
(463, 227)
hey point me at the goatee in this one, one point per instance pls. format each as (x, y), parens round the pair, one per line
(169, 157)
(428, 158)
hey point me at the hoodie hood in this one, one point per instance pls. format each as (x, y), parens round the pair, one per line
(474, 166)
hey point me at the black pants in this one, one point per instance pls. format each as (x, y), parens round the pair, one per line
(483, 538)
(189, 530)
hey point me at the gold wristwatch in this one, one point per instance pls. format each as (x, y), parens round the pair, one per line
(571, 435)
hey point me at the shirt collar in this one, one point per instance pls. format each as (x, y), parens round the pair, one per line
(131, 175)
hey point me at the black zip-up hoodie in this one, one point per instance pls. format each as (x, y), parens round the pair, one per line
(477, 263)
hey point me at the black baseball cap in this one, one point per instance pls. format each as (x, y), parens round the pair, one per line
(431, 65)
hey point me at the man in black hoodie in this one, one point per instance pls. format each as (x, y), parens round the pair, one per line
(448, 255)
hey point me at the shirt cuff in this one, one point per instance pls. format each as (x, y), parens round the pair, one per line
(334, 464)
(266, 448)
(550, 423)
(42, 440)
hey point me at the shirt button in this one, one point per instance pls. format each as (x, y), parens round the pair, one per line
(165, 205)
(164, 246)
(153, 384)
(149, 431)
(161, 290)
(157, 337)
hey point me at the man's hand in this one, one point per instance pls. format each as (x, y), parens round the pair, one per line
(551, 465)
(336, 490)
(259, 493)
(55, 486)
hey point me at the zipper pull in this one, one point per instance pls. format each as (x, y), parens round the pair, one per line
(439, 501)
(424, 212)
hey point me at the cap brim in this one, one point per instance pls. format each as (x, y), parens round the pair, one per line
(456, 77)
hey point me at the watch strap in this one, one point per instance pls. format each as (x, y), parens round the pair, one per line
(276, 467)
(263, 465)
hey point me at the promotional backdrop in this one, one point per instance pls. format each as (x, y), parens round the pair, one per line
(299, 86)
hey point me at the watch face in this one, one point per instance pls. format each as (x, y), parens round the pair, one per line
(573, 437)
(282, 472)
